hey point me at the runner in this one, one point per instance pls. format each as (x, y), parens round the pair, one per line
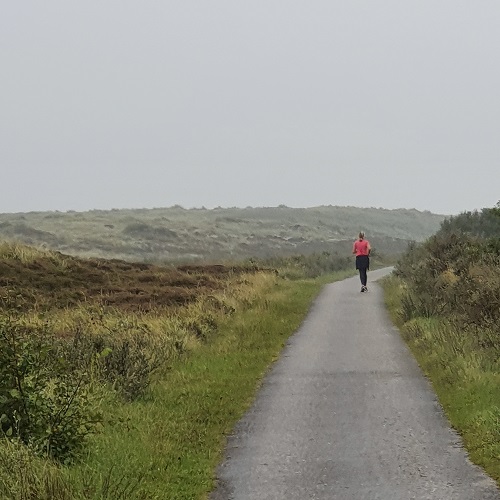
(361, 249)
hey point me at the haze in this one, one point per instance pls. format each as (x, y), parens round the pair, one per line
(128, 104)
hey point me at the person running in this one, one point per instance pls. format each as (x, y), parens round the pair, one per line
(362, 249)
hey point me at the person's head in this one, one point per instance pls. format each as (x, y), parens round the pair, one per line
(361, 235)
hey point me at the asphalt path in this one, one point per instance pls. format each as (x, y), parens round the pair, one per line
(346, 413)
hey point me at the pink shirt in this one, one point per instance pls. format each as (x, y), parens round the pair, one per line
(361, 247)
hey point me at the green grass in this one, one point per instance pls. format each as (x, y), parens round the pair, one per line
(168, 444)
(463, 365)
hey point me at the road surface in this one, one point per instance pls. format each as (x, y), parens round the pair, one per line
(346, 414)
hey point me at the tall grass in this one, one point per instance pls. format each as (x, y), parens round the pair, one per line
(21, 252)
(25, 476)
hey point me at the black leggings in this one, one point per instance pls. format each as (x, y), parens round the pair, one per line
(362, 276)
(363, 265)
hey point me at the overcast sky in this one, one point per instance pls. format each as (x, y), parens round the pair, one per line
(130, 104)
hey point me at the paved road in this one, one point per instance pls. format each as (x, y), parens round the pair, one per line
(346, 414)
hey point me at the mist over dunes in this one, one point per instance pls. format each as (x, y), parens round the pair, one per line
(177, 234)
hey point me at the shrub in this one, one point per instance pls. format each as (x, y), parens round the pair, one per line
(44, 403)
(484, 223)
(125, 357)
(148, 232)
(455, 275)
(125, 350)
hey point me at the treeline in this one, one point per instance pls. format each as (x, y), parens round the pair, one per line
(445, 297)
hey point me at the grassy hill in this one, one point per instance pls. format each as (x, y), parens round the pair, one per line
(176, 234)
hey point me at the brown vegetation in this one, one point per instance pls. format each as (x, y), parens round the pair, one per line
(59, 281)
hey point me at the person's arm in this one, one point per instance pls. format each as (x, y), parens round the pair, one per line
(369, 248)
(354, 247)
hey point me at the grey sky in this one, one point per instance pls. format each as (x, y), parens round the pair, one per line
(128, 104)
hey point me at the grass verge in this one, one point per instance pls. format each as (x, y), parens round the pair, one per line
(463, 365)
(167, 444)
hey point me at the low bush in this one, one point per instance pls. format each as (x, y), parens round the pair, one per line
(44, 402)
(124, 357)
(453, 274)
